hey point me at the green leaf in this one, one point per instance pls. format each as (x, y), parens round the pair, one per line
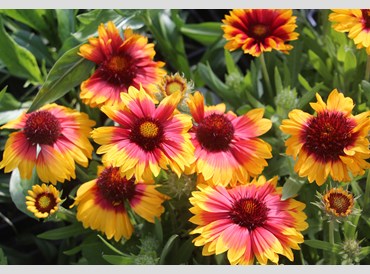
(309, 95)
(278, 83)
(158, 231)
(366, 87)
(291, 187)
(119, 260)
(18, 189)
(66, 23)
(323, 245)
(350, 65)
(2, 93)
(365, 251)
(19, 61)
(205, 33)
(63, 232)
(73, 251)
(167, 248)
(111, 247)
(319, 65)
(40, 20)
(68, 72)
(3, 259)
(304, 82)
(186, 251)
(230, 63)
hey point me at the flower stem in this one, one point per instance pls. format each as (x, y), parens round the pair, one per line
(266, 77)
(366, 205)
(332, 241)
(367, 71)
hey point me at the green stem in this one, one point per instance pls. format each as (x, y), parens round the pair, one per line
(366, 205)
(367, 71)
(266, 77)
(332, 241)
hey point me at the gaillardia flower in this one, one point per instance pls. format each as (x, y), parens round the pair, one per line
(52, 138)
(121, 63)
(175, 82)
(147, 138)
(101, 203)
(248, 221)
(354, 21)
(43, 200)
(227, 147)
(258, 30)
(331, 142)
(337, 204)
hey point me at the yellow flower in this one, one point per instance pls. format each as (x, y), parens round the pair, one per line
(43, 200)
(332, 142)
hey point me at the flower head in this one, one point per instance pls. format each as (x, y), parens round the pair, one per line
(227, 147)
(43, 200)
(121, 63)
(52, 138)
(354, 21)
(258, 30)
(101, 203)
(331, 142)
(148, 138)
(337, 204)
(248, 221)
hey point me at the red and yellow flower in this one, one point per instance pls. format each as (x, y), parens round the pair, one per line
(52, 138)
(101, 203)
(43, 200)
(227, 147)
(354, 21)
(148, 138)
(248, 221)
(121, 63)
(258, 30)
(331, 142)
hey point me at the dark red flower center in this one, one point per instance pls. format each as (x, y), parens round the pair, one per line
(42, 128)
(147, 133)
(119, 70)
(215, 132)
(259, 31)
(249, 213)
(114, 187)
(366, 18)
(45, 202)
(326, 135)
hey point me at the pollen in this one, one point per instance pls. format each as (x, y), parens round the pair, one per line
(149, 129)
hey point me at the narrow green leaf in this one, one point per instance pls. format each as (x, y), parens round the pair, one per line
(309, 95)
(366, 87)
(73, 251)
(230, 63)
(68, 72)
(350, 64)
(2, 93)
(18, 188)
(186, 251)
(319, 65)
(167, 248)
(19, 61)
(158, 230)
(111, 247)
(63, 232)
(304, 82)
(291, 188)
(119, 260)
(3, 259)
(8, 102)
(278, 82)
(205, 33)
(323, 245)
(66, 23)
(365, 251)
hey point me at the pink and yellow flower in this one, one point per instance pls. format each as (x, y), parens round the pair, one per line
(248, 221)
(331, 142)
(121, 63)
(148, 138)
(101, 203)
(52, 138)
(354, 21)
(227, 147)
(258, 30)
